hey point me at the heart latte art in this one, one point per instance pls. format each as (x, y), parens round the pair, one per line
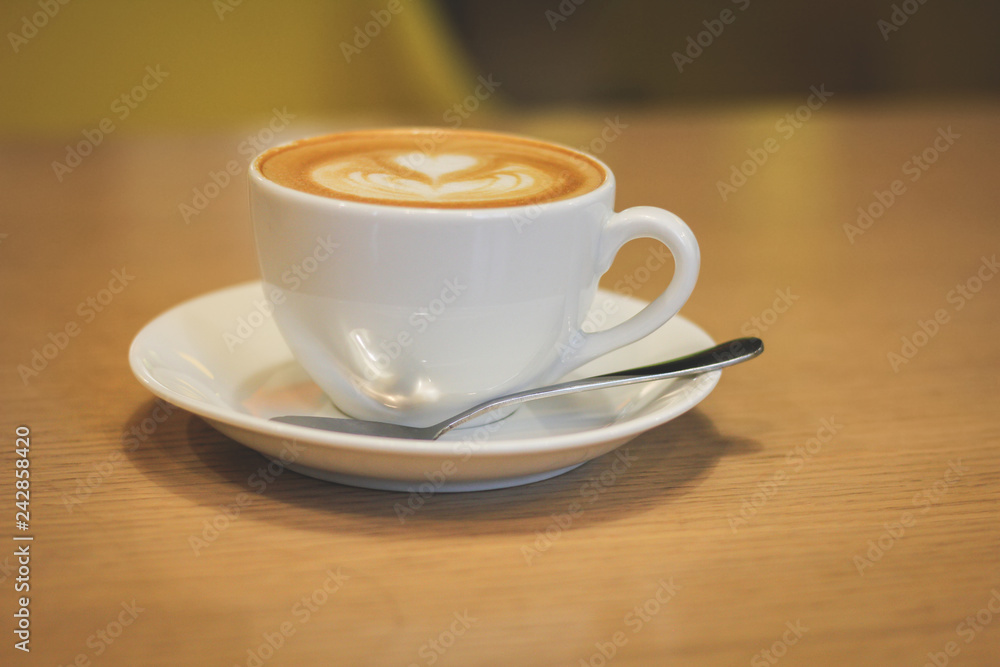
(433, 168)
(441, 179)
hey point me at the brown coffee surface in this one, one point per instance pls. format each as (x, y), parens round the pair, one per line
(432, 168)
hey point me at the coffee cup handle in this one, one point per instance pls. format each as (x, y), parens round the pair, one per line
(634, 223)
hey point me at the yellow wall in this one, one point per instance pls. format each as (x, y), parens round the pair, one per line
(227, 62)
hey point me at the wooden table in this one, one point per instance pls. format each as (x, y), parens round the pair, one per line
(833, 503)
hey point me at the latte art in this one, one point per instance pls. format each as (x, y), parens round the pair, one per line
(440, 178)
(456, 169)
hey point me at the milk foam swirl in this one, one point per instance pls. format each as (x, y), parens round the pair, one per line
(439, 178)
(450, 168)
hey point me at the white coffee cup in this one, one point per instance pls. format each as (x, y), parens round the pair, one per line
(411, 314)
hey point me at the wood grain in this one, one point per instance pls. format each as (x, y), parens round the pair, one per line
(819, 488)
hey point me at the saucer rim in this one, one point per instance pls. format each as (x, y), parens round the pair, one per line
(626, 429)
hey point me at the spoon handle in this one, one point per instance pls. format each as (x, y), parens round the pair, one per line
(714, 358)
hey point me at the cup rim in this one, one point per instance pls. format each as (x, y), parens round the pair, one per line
(257, 176)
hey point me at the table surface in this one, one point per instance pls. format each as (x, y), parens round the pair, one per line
(834, 502)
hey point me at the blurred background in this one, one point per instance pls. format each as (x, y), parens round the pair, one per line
(224, 63)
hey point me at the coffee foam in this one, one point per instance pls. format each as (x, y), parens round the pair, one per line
(433, 168)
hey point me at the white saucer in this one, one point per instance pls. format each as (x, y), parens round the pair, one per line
(186, 357)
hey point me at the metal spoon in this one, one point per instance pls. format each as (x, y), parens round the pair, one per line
(727, 354)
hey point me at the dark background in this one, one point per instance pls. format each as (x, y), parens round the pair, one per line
(622, 51)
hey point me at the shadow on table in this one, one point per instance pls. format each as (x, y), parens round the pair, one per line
(188, 457)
